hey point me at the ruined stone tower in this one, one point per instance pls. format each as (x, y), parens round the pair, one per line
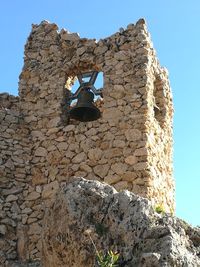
(129, 147)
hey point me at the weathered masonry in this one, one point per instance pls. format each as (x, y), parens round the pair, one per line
(129, 147)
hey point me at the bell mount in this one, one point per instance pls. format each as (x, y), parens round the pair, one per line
(89, 85)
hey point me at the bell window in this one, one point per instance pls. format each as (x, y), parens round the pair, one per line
(83, 91)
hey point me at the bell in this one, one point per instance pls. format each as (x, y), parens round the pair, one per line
(85, 109)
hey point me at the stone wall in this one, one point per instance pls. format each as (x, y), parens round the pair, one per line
(129, 147)
(14, 167)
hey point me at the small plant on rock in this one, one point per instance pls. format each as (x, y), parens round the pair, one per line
(108, 259)
(160, 209)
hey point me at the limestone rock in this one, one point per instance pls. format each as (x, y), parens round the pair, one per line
(85, 167)
(38, 177)
(3, 229)
(27, 264)
(119, 168)
(41, 152)
(129, 176)
(141, 151)
(79, 158)
(133, 134)
(22, 242)
(122, 222)
(118, 92)
(12, 191)
(50, 189)
(112, 113)
(121, 185)
(33, 196)
(119, 143)
(11, 198)
(141, 166)
(95, 154)
(69, 128)
(70, 36)
(111, 179)
(131, 160)
(101, 170)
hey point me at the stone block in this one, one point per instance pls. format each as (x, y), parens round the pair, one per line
(131, 160)
(50, 190)
(41, 152)
(79, 158)
(119, 168)
(33, 196)
(133, 134)
(11, 198)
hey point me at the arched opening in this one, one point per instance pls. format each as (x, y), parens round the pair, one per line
(75, 85)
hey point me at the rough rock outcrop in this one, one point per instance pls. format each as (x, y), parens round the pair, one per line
(122, 222)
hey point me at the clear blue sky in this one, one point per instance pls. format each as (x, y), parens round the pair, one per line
(175, 29)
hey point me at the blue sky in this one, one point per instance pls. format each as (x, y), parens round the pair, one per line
(175, 30)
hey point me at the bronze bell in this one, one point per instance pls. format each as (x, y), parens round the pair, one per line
(85, 109)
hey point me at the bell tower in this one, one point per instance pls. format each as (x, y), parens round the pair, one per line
(128, 142)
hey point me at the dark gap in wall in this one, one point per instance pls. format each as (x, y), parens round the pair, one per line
(159, 102)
